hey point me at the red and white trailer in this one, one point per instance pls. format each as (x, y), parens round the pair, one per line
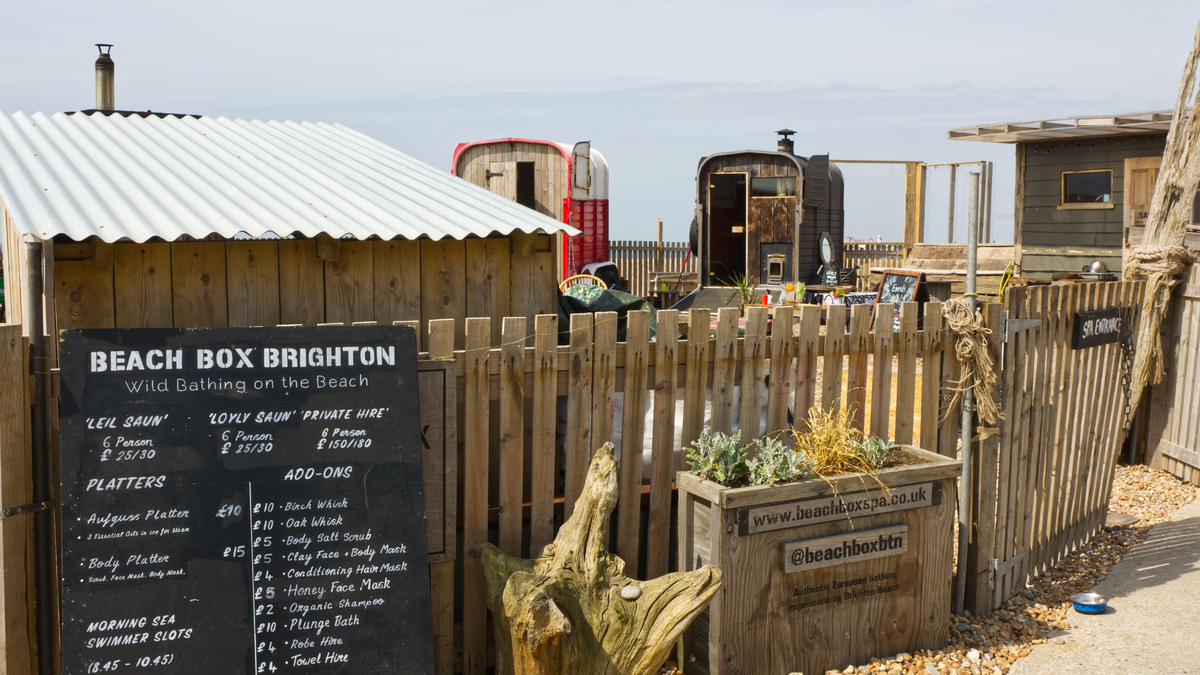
(564, 181)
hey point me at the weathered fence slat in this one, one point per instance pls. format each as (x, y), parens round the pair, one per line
(782, 349)
(579, 410)
(724, 366)
(604, 378)
(545, 423)
(860, 350)
(512, 432)
(475, 493)
(835, 350)
(441, 574)
(906, 372)
(807, 354)
(931, 375)
(881, 371)
(666, 345)
(633, 437)
(697, 376)
(754, 371)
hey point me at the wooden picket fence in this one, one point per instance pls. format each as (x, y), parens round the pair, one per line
(1043, 478)
(639, 260)
(1173, 433)
(876, 373)
(865, 255)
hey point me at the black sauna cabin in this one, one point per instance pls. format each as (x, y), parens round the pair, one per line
(760, 215)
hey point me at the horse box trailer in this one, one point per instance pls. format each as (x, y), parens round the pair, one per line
(760, 215)
(566, 182)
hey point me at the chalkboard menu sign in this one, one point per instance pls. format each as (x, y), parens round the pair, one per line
(243, 500)
(900, 286)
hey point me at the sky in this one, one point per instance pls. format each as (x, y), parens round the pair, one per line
(654, 85)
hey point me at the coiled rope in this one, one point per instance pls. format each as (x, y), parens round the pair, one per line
(970, 348)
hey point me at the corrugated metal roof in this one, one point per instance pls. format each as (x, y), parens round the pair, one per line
(136, 178)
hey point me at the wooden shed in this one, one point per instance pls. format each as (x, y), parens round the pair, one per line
(563, 181)
(1083, 186)
(185, 221)
(760, 215)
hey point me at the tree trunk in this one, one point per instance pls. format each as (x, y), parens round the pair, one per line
(572, 610)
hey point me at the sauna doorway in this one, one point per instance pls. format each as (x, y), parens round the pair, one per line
(727, 206)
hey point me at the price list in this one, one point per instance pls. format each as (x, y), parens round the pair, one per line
(243, 501)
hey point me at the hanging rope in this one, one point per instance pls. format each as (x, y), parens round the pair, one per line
(970, 348)
(1163, 267)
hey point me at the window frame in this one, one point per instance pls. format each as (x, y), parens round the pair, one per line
(1062, 192)
(795, 188)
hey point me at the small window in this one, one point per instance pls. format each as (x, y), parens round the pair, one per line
(526, 191)
(773, 187)
(1087, 189)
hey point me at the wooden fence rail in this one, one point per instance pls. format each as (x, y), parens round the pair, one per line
(638, 260)
(651, 397)
(865, 255)
(1043, 478)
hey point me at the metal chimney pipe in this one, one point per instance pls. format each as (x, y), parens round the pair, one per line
(104, 79)
(785, 144)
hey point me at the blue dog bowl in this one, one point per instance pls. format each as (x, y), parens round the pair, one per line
(1089, 603)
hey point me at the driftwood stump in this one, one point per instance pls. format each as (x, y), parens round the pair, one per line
(570, 611)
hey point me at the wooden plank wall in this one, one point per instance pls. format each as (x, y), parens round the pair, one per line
(508, 376)
(1173, 435)
(287, 281)
(1043, 481)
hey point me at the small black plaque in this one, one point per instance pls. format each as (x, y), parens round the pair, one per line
(243, 500)
(1097, 327)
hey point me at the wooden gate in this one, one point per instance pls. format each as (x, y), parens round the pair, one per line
(1042, 489)
(1173, 432)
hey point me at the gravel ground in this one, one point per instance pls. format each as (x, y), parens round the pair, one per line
(991, 645)
(984, 646)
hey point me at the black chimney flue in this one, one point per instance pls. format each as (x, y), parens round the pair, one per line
(785, 143)
(104, 79)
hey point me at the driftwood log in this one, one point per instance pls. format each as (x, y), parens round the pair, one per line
(1161, 259)
(572, 611)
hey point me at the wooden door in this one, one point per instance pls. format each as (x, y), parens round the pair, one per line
(1140, 175)
(502, 179)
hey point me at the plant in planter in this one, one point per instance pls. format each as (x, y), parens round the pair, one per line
(839, 545)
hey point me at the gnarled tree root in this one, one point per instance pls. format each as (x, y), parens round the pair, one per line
(565, 613)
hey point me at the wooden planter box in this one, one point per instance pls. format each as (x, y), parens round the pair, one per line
(783, 606)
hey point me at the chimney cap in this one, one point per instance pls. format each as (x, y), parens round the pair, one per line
(785, 133)
(101, 46)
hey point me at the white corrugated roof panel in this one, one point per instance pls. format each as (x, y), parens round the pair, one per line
(136, 178)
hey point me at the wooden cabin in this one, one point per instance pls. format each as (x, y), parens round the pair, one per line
(184, 221)
(1083, 187)
(760, 215)
(566, 182)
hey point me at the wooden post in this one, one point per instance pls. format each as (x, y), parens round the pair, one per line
(950, 225)
(658, 258)
(16, 489)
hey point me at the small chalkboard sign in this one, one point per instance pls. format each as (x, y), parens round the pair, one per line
(243, 500)
(900, 286)
(1096, 328)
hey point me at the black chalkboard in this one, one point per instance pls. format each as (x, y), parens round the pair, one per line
(243, 500)
(900, 286)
